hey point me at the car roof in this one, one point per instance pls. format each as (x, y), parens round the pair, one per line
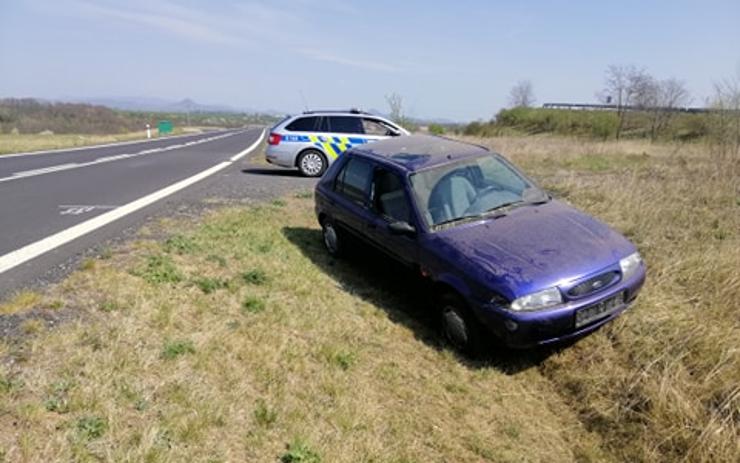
(352, 113)
(417, 152)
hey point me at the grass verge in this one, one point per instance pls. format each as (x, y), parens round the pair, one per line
(22, 143)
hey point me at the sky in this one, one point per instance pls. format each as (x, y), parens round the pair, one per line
(456, 60)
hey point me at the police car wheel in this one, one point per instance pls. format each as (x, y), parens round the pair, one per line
(312, 163)
(332, 238)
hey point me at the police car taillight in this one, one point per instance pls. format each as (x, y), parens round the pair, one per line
(274, 139)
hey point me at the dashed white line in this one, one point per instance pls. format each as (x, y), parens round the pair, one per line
(28, 252)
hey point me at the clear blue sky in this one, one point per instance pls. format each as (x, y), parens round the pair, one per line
(456, 60)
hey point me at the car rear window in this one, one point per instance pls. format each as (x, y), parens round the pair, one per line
(345, 124)
(303, 124)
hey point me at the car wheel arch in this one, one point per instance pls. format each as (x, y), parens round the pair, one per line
(446, 283)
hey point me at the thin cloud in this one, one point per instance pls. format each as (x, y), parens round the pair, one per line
(319, 55)
(186, 28)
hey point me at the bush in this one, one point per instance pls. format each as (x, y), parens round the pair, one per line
(436, 129)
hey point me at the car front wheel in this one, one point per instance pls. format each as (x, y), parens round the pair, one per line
(312, 163)
(459, 326)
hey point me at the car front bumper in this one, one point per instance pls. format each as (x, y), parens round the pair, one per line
(550, 326)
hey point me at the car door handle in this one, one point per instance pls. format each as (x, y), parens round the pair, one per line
(372, 226)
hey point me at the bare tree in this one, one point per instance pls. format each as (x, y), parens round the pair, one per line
(725, 127)
(395, 105)
(627, 86)
(668, 96)
(522, 95)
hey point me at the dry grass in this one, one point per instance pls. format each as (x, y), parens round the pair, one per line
(20, 301)
(664, 382)
(21, 143)
(240, 340)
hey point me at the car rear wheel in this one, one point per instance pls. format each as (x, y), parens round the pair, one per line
(312, 163)
(332, 238)
(459, 326)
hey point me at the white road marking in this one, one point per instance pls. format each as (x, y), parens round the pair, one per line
(80, 148)
(118, 157)
(28, 252)
(67, 209)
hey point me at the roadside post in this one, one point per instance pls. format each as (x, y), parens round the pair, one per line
(148, 131)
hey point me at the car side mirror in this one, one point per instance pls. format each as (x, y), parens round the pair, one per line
(401, 227)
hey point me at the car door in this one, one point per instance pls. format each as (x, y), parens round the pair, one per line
(350, 199)
(389, 203)
(348, 131)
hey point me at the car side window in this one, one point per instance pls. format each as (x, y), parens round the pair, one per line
(354, 180)
(323, 125)
(389, 197)
(303, 124)
(345, 124)
(375, 127)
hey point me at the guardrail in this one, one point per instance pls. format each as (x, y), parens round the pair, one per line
(613, 107)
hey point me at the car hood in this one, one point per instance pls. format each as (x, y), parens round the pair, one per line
(535, 247)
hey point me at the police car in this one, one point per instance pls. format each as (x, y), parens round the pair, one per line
(313, 140)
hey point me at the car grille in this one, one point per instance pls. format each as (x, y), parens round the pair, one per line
(594, 284)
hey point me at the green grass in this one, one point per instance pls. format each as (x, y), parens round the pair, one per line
(299, 452)
(174, 349)
(598, 125)
(255, 277)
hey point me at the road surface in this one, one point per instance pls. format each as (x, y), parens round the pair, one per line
(54, 206)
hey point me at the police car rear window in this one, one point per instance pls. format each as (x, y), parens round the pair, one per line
(303, 124)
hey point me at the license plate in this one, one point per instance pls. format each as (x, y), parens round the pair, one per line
(600, 310)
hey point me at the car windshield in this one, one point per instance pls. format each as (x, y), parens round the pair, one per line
(470, 189)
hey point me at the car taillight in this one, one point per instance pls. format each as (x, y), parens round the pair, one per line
(274, 139)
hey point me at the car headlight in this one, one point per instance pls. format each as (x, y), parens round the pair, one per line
(538, 300)
(629, 265)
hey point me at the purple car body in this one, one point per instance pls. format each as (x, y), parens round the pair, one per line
(506, 250)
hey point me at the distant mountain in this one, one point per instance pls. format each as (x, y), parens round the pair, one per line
(155, 104)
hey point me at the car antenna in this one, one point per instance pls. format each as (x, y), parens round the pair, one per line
(303, 98)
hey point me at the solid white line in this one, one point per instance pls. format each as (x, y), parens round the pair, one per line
(118, 157)
(26, 253)
(120, 143)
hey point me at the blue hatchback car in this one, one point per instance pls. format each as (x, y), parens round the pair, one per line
(503, 256)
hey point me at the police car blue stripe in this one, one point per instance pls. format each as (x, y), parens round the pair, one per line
(357, 141)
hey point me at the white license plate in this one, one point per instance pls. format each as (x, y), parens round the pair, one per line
(600, 310)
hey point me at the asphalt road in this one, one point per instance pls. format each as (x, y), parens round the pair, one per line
(59, 207)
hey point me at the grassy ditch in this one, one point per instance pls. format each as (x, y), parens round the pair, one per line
(239, 339)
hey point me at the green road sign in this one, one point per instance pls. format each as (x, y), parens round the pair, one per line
(164, 127)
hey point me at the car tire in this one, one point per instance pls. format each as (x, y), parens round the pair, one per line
(312, 163)
(460, 328)
(332, 237)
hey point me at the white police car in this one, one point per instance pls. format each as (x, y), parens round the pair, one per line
(313, 140)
